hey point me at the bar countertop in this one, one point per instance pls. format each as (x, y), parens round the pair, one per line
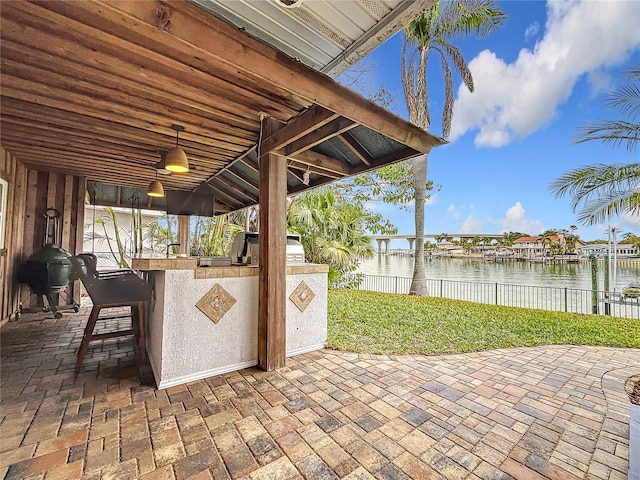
(191, 263)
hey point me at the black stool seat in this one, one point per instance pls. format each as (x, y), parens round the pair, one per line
(107, 289)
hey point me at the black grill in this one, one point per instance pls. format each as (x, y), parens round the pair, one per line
(48, 271)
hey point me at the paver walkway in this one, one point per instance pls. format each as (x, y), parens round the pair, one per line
(555, 412)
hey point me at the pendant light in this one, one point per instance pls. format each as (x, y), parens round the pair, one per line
(155, 188)
(176, 160)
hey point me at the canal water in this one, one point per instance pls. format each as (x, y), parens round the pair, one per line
(573, 275)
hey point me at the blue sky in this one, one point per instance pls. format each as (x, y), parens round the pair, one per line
(537, 80)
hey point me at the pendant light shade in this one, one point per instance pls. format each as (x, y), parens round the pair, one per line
(155, 189)
(176, 160)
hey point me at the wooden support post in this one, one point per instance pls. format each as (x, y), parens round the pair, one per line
(272, 278)
(184, 234)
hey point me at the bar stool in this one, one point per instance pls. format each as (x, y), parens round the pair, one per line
(107, 289)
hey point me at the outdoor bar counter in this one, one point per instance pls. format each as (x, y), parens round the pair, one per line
(203, 321)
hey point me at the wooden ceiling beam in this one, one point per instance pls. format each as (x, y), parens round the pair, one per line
(31, 19)
(399, 156)
(99, 128)
(319, 135)
(253, 184)
(312, 158)
(303, 167)
(249, 164)
(308, 121)
(238, 189)
(44, 158)
(78, 93)
(101, 149)
(74, 134)
(88, 107)
(223, 189)
(197, 102)
(356, 148)
(292, 173)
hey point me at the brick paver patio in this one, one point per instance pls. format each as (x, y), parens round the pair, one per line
(555, 412)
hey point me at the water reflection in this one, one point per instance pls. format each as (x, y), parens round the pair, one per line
(573, 275)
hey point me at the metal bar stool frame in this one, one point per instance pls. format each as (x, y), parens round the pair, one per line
(108, 289)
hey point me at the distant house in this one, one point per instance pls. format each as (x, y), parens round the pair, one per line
(540, 246)
(623, 250)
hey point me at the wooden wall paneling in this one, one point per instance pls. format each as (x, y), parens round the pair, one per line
(5, 174)
(17, 245)
(66, 221)
(42, 197)
(60, 205)
(11, 255)
(51, 191)
(30, 208)
(79, 185)
(30, 225)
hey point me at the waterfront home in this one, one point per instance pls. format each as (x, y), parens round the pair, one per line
(621, 250)
(540, 246)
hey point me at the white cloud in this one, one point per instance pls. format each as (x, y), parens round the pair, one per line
(532, 30)
(630, 223)
(516, 221)
(455, 213)
(514, 100)
(470, 225)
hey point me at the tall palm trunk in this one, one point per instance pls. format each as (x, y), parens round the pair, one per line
(418, 115)
(433, 29)
(419, 282)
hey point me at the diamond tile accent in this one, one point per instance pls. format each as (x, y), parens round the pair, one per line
(302, 296)
(216, 303)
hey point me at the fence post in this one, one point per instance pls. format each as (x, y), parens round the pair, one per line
(565, 300)
(396, 287)
(441, 294)
(594, 284)
(496, 293)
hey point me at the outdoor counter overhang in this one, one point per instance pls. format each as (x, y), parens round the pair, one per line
(92, 88)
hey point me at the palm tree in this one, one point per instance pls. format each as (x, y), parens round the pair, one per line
(604, 191)
(434, 30)
(332, 231)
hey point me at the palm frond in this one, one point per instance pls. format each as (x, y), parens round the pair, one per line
(627, 99)
(610, 132)
(632, 73)
(598, 210)
(458, 62)
(447, 109)
(462, 18)
(602, 190)
(420, 31)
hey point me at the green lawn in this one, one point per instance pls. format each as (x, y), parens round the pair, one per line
(380, 323)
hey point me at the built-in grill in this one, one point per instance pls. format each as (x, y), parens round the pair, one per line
(244, 249)
(48, 271)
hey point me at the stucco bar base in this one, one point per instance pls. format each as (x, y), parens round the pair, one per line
(184, 344)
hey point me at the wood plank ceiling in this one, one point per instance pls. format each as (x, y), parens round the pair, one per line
(92, 89)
